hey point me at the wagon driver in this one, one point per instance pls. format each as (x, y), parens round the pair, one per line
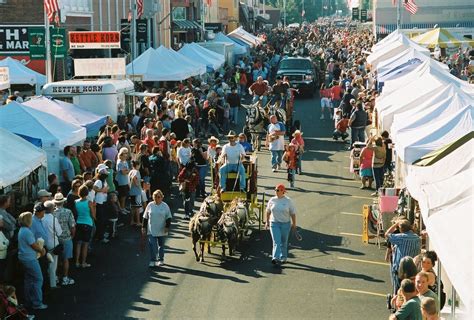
(232, 156)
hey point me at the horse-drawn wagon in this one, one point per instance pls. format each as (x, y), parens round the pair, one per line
(225, 218)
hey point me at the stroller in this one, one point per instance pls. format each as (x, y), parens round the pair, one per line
(355, 158)
(9, 310)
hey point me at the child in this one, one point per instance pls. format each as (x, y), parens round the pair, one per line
(188, 180)
(341, 129)
(299, 143)
(291, 158)
(113, 210)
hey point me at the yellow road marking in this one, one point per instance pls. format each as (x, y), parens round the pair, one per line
(350, 234)
(351, 214)
(364, 261)
(360, 197)
(362, 292)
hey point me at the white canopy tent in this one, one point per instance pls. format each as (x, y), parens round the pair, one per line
(412, 89)
(193, 51)
(447, 214)
(162, 64)
(402, 63)
(20, 74)
(392, 49)
(69, 112)
(245, 37)
(237, 49)
(54, 133)
(390, 38)
(18, 158)
(412, 144)
(443, 104)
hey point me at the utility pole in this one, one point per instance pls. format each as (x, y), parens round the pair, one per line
(399, 14)
(203, 31)
(284, 13)
(133, 31)
(47, 43)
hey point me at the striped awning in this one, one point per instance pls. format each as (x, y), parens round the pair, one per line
(442, 38)
(187, 24)
(389, 28)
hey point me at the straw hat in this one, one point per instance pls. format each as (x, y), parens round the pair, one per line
(59, 198)
(212, 138)
(297, 132)
(231, 134)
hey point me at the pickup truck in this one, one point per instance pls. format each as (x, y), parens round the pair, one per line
(301, 74)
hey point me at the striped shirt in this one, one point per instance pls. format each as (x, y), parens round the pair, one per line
(404, 244)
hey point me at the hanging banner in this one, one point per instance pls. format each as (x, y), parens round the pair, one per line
(94, 40)
(363, 15)
(58, 43)
(142, 30)
(37, 44)
(355, 13)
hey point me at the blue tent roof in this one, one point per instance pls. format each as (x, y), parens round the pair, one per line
(238, 49)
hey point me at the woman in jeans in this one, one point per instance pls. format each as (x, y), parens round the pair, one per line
(28, 249)
(281, 215)
(378, 162)
(85, 221)
(156, 224)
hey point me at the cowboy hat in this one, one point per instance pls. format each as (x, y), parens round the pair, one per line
(212, 138)
(102, 168)
(59, 198)
(231, 134)
(297, 132)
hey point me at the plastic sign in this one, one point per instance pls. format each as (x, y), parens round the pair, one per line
(94, 40)
(4, 78)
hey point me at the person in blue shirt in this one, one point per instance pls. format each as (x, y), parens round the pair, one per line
(37, 227)
(244, 143)
(28, 249)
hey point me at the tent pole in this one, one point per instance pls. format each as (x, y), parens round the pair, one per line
(399, 14)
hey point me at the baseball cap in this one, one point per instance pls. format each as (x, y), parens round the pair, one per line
(43, 193)
(39, 207)
(102, 168)
(280, 187)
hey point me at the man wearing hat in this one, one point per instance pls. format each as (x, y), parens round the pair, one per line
(43, 195)
(279, 91)
(276, 141)
(232, 155)
(68, 225)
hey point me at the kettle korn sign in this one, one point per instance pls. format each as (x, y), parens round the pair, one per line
(78, 89)
(94, 40)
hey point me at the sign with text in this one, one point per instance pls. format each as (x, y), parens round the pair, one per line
(4, 78)
(363, 15)
(77, 89)
(355, 13)
(14, 39)
(36, 39)
(99, 67)
(142, 30)
(94, 40)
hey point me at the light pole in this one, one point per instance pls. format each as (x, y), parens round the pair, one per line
(284, 13)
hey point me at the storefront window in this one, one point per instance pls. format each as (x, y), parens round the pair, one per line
(179, 13)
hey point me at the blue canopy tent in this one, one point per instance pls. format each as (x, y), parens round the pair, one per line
(212, 60)
(238, 48)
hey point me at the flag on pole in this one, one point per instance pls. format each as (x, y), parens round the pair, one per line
(303, 13)
(410, 6)
(52, 10)
(139, 8)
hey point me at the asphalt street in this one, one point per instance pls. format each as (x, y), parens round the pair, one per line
(330, 274)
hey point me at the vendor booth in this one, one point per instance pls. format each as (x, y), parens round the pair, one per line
(442, 38)
(245, 37)
(19, 74)
(221, 48)
(238, 49)
(69, 112)
(212, 60)
(104, 97)
(54, 133)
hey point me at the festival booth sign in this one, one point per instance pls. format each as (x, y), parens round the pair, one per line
(443, 39)
(69, 112)
(94, 39)
(197, 53)
(4, 78)
(412, 144)
(54, 133)
(447, 210)
(19, 74)
(401, 64)
(394, 48)
(443, 104)
(238, 49)
(19, 158)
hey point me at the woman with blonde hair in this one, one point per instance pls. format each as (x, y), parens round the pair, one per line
(28, 248)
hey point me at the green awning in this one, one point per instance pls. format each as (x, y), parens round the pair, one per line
(439, 154)
(187, 24)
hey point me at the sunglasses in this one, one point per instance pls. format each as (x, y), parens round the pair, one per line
(278, 190)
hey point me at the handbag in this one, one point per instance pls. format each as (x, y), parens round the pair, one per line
(182, 186)
(58, 249)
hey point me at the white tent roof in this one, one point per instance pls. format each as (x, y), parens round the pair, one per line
(161, 65)
(238, 49)
(53, 132)
(68, 112)
(195, 67)
(18, 158)
(245, 36)
(402, 63)
(444, 103)
(390, 38)
(412, 144)
(392, 49)
(20, 74)
(195, 52)
(447, 213)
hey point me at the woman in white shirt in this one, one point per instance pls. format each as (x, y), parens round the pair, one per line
(156, 224)
(281, 215)
(184, 153)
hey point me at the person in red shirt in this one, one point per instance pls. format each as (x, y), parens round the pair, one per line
(291, 158)
(325, 101)
(336, 94)
(259, 89)
(188, 179)
(87, 158)
(341, 128)
(149, 141)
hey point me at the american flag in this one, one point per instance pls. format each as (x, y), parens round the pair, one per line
(410, 6)
(139, 8)
(51, 8)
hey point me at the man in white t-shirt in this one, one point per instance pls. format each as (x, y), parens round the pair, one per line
(232, 153)
(276, 141)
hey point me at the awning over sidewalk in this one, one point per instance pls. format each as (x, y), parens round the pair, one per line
(187, 24)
